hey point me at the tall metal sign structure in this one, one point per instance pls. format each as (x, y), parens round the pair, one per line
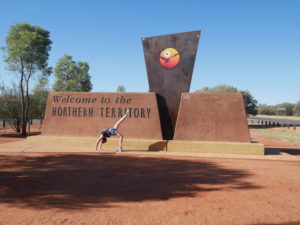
(170, 63)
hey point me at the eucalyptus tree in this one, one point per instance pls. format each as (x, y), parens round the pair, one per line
(71, 75)
(27, 51)
(121, 88)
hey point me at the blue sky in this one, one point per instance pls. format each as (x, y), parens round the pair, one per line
(252, 45)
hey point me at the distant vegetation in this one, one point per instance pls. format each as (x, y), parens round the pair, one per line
(251, 104)
(283, 109)
(121, 88)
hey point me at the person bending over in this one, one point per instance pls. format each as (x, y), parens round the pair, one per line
(106, 133)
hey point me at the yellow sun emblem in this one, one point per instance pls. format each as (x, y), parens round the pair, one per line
(169, 58)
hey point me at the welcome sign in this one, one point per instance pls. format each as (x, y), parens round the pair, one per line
(86, 114)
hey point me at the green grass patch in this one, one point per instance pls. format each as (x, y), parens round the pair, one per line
(284, 135)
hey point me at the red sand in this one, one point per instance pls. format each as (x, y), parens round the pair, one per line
(7, 134)
(113, 189)
(126, 189)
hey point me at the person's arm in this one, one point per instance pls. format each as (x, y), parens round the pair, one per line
(99, 141)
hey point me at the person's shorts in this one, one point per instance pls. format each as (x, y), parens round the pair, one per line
(108, 132)
(105, 133)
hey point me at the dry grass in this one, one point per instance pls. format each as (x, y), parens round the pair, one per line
(288, 135)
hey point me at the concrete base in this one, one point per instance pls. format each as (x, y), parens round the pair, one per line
(112, 143)
(216, 147)
(152, 145)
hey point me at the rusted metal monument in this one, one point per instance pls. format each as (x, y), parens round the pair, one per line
(204, 122)
(212, 117)
(170, 79)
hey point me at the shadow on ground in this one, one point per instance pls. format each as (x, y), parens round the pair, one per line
(79, 181)
(278, 151)
(16, 135)
(287, 223)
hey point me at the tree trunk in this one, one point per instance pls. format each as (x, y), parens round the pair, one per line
(27, 102)
(23, 106)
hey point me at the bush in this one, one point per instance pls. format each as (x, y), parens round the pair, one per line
(10, 107)
(296, 109)
(267, 110)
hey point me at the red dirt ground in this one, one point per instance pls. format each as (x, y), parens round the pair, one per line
(114, 189)
(117, 189)
(7, 134)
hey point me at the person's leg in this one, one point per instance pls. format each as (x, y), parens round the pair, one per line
(120, 121)
(119, 134)
(120, 142)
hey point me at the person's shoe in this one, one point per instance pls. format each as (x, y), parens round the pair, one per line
(119, 149)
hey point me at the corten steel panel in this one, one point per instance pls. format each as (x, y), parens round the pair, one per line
(170, 83)
(212, 117)
(70, 114)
